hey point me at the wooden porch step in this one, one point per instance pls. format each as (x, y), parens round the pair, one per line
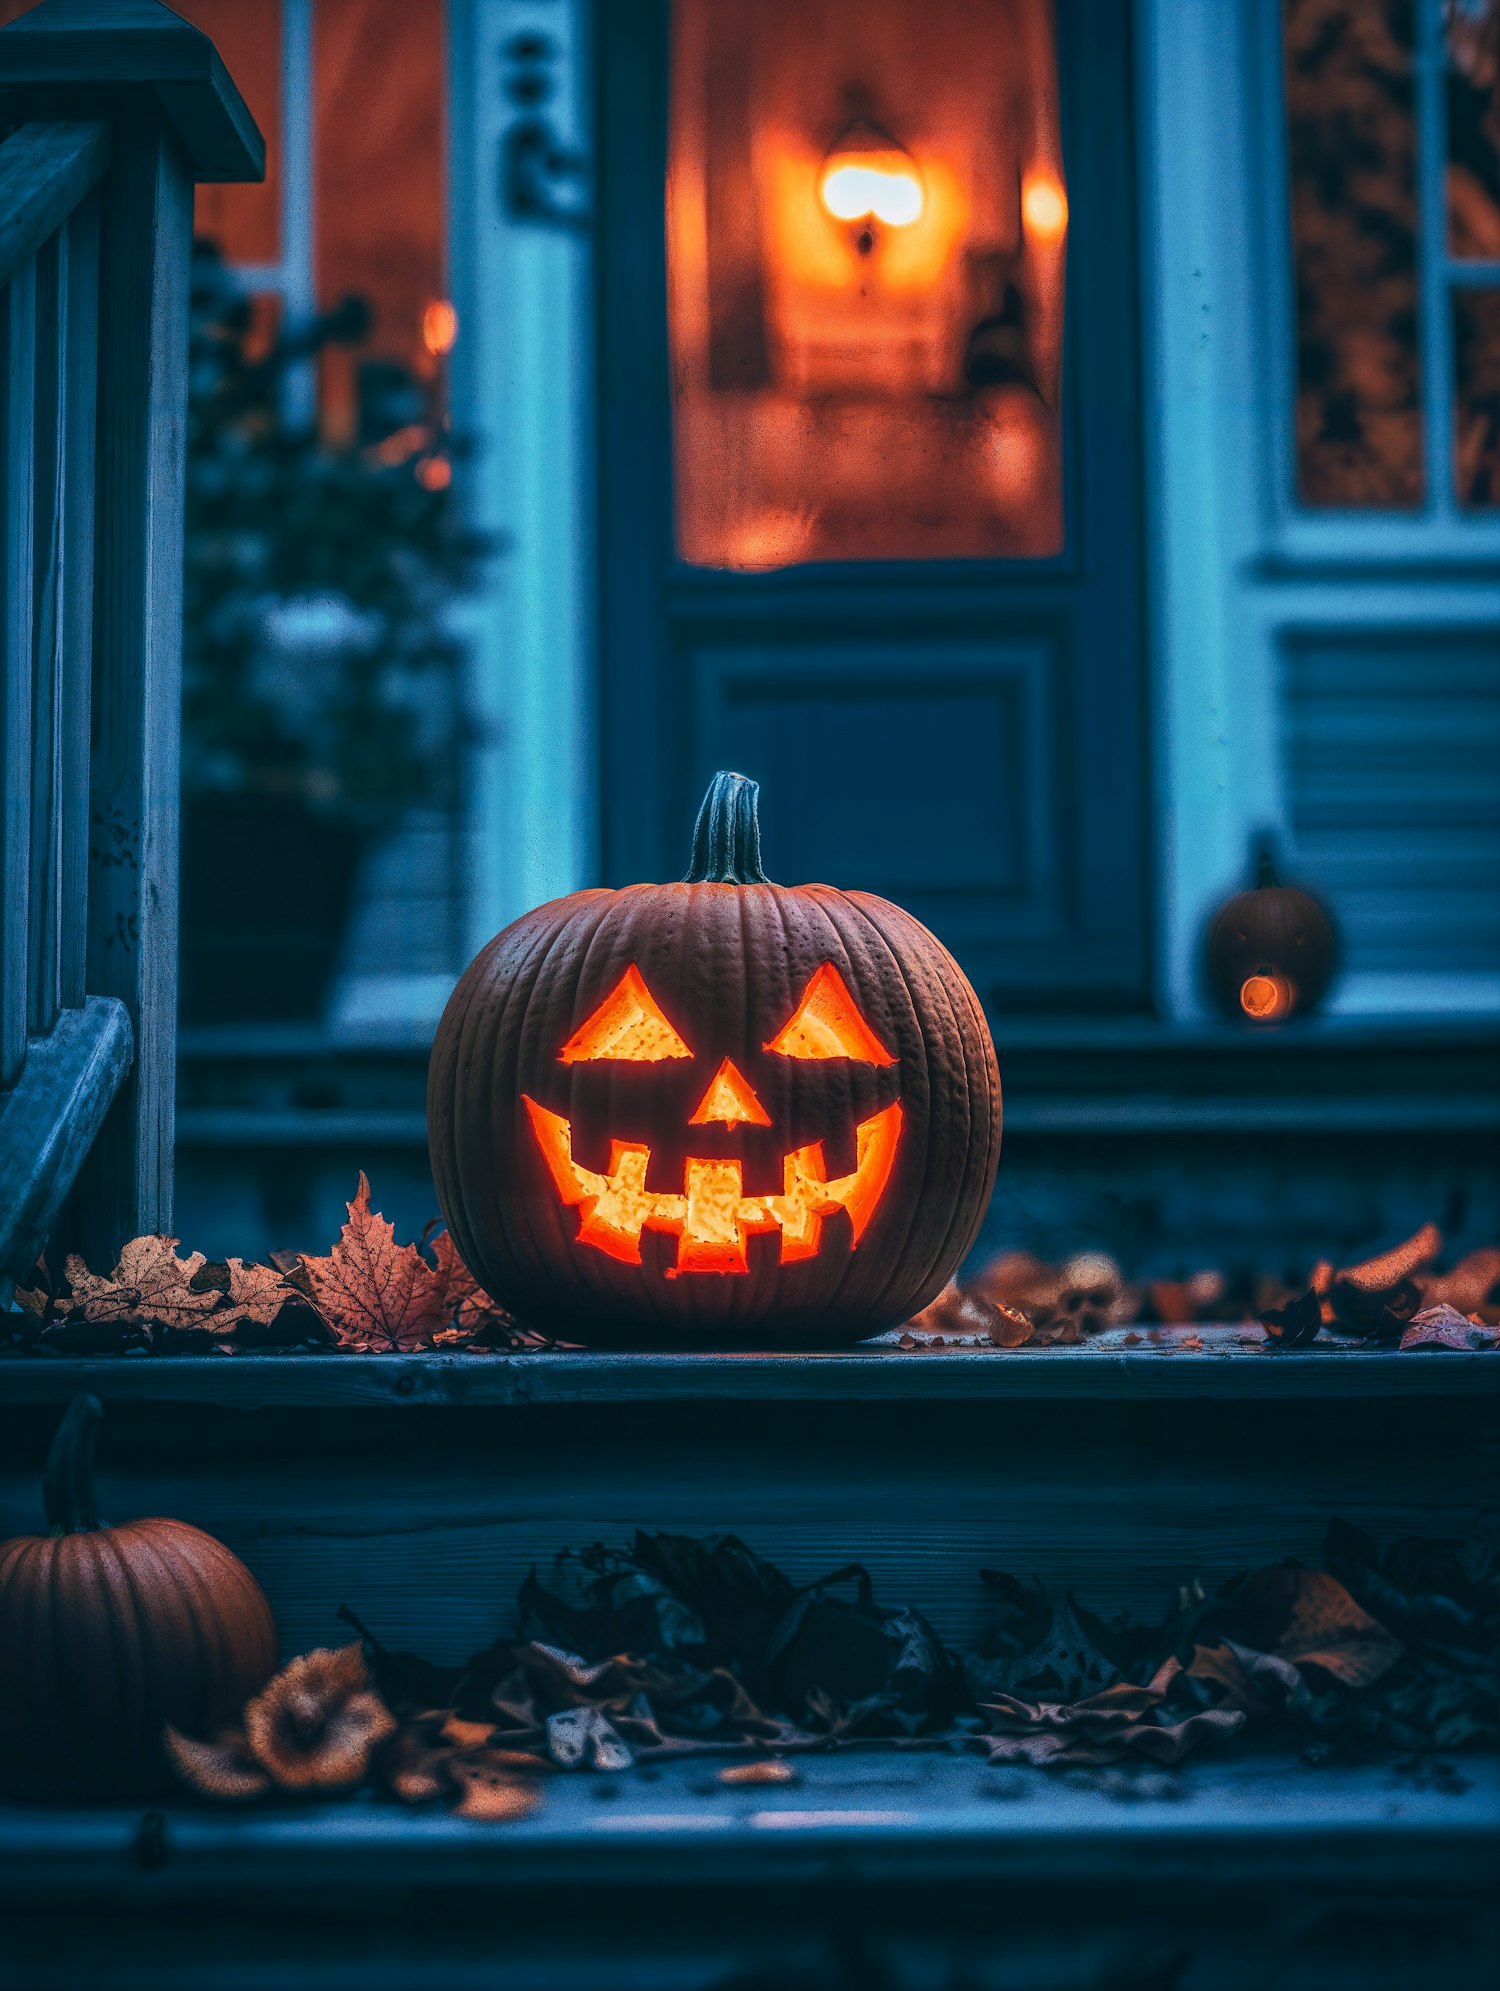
(873, 1817)
(1229, 1361)
(870, 1873)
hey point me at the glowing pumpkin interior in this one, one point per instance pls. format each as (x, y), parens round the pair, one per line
(712, 1217)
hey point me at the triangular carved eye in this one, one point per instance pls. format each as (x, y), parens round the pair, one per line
(827, 1024)
(628, 1025)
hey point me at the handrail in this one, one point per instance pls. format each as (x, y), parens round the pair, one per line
(113, 112)
(45, 172)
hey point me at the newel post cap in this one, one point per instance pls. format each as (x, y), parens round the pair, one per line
(75, 58)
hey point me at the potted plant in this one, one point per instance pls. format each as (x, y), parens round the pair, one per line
(320, 677)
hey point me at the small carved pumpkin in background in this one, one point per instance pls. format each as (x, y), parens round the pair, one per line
(715, 1111)
(107, 1634)
(1270, 953)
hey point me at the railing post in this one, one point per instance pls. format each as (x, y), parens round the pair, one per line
(176, 117)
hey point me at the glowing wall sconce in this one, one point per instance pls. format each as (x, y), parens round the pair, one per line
(868, 177)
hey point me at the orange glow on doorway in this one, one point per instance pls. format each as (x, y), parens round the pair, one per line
(1044, 207)
(439, 327)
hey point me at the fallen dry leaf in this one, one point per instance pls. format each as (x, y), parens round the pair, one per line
(373, 1292)
(491, 1792)
(765, 1770)
(1470, 1287)
(1257, 1683)
(151, 1284)
(469, 1305)
(250, 1293)
(222, 1769)
(1295, 1324)
(1446, 1327)
(1321, 1624)
(1105, 1728)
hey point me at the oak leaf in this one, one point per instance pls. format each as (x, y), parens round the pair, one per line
(371, 1291)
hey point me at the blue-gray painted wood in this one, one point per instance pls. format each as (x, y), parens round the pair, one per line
(17, 345)
(132, 887)
(116, 51)
(49, 1120)
(1152, 1365)
(76, 591)
(45, 171)
(904, 1820)
(44, 898)
(425, 1515)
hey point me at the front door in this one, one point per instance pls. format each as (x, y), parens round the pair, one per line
(870, 481)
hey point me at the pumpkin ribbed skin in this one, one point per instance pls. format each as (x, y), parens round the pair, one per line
(108, 1633)
(727, 963)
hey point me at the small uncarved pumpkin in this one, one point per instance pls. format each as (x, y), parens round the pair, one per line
(1270, 953)
(107, 1634)
(713, 1112)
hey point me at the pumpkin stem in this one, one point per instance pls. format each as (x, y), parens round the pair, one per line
(726, 837)
(68, 1483)
(1264, 858)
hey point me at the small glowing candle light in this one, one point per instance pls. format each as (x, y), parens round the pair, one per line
(1266, 998)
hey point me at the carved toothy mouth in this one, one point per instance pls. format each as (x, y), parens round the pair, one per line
(713, 1216)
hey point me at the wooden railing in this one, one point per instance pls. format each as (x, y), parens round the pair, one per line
(112, 109)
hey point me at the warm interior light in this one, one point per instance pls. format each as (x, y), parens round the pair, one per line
(880, 186)
(628, 1025)
(439, 327)
(1266, 998)
(1044, 206)
(827, 1024)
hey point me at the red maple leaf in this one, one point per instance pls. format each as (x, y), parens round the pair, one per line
(373, 1292)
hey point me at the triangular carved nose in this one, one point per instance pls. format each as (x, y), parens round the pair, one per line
(730, 1099)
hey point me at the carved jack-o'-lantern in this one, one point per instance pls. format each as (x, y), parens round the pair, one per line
(1270, 953)
(721, 1110)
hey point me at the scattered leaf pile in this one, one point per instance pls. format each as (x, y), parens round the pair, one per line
(370, 1293)
(676, 1646)
(1400, 1299)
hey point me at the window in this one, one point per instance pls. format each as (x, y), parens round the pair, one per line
(1393, 130)
(867, 226)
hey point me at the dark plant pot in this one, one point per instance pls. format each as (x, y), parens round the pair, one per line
(266, 892)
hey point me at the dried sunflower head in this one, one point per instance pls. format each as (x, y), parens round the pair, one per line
(316, 1725)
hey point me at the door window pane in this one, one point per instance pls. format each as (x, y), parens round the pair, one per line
(1476, 413)
(1472, 35)
(1352, 145)
(866, 232)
